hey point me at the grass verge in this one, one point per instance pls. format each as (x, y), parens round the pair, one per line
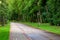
(45, 27)
(4, 32)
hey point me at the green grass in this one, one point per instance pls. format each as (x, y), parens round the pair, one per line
(4, 32)
(45, 27)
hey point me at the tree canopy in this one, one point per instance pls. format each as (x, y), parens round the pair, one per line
(42, 11)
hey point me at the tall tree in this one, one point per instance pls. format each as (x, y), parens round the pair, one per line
(3, 12)
(53, 7)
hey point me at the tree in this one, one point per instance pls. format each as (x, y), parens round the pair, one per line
(54, 8)
(3, 12)
(42, 11)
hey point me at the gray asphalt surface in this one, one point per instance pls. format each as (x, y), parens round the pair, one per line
(16, 33)
(32, 33)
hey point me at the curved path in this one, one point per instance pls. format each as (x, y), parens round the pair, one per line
(22, 32)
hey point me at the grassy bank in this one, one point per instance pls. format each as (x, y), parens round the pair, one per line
(45, 26)
(4, 32)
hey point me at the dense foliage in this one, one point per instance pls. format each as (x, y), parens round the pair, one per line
(3, 12)
(54, 11)
(42, 11)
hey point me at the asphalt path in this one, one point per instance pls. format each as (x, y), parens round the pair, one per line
(20, 31)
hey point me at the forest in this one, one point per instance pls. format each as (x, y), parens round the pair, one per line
(37, 11)
(38, 19)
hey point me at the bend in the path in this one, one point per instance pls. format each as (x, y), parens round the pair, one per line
(33, 34)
